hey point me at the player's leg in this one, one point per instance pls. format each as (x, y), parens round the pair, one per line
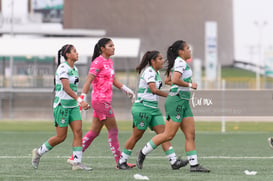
(129, 145)
(142, 117)
(113, 141)
(48, 145)
(94, 131)
(168, 134)
(188, 128)
(76, 127)
(169, 151)
(61, 123)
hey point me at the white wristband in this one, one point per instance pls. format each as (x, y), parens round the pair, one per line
(126, 89)
(79, 100)
(190, 85)
(83, 96)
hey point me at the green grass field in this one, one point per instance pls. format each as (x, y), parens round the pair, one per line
(243, 147)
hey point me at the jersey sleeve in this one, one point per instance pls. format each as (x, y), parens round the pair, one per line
(95, 67)
(149, 76)
(179, 66)
(62, 72)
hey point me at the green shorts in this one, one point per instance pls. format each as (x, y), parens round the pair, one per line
(177, 108)
(64, 116)
(144, 116)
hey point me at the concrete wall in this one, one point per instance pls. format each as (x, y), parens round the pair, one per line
(157, 22)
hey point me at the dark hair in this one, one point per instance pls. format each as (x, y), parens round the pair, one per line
(147, 58)
(101, 43)
(62, 52)
(172, 53)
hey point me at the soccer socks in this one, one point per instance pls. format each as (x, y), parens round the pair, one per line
(149, 147)
(192, 157)
(88, 139)
(77, 154)
(114, 144)
(44, 148)
(170, 154)
(125, 155)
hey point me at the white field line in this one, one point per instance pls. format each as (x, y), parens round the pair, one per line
(150, 157)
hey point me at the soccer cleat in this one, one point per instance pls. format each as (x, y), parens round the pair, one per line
(80, 166)
(179, 163)
(35, 158)
(70, 161)
(198, 168)
(270, 142)
(131, 165)
(123, 166)
(140, 159)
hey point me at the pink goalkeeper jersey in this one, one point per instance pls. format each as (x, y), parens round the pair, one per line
(103, 69)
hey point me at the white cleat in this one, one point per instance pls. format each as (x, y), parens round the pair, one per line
(35, 158)
(270, 142)
(70, 162)
(80, 166)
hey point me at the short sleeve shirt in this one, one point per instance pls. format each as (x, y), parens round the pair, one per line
(181, 66)
(144, 93)
(64, 71)
(103, 69)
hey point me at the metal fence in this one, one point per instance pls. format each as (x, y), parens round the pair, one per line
(31, 94)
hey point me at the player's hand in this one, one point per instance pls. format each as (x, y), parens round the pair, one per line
(129, 93)
(132, 98)
(84, 105)
(194, 86)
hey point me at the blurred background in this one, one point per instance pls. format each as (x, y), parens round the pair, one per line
(231, 42)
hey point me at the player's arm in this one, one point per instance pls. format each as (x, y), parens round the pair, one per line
(156, 91)
(87, 83)
(67, 88)
(168, 80)
(176, 80)
(117, 83)
(124, 89)
(71, 93)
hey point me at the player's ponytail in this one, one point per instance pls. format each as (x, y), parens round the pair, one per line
(62, 52)
(97, 49)
(146, 59)
(59, 57)
(172, 54)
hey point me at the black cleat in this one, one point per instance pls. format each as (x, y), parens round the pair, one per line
(123, 166)
(179, 163)
(199, 168)
(140, 159)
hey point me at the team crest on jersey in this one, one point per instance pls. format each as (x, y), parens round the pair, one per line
(141, 124)
(63, 121)
(178, 116)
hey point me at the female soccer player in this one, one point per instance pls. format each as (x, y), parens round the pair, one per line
(102, 76)
(177, 107)
(145, 110)
(66, 109)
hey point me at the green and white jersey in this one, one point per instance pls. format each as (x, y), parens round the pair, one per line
(144, 94)
(181, 66)
(64, 71)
